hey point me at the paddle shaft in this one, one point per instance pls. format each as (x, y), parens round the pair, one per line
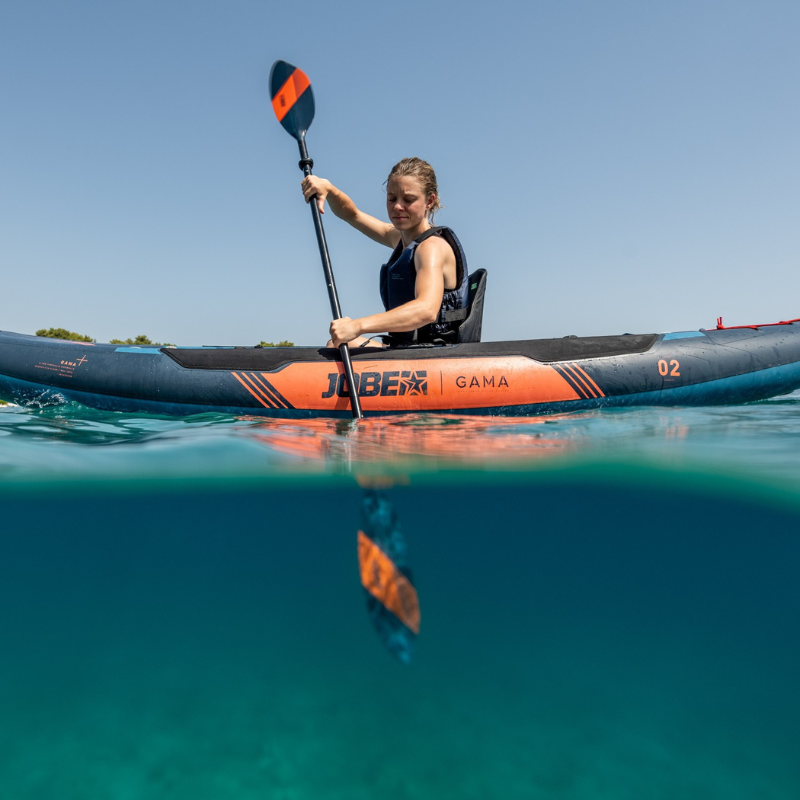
(306, 164)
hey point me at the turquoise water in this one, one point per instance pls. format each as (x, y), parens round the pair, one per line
(609, 601)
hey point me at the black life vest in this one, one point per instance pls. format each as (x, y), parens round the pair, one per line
(398, 286)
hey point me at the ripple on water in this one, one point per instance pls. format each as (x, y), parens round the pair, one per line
(756, 440)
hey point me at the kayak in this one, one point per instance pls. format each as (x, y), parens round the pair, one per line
(516, 378)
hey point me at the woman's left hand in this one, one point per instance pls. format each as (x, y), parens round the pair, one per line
(344, 330)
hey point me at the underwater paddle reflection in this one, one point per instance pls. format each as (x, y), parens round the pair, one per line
(392, 601)
(386, 578)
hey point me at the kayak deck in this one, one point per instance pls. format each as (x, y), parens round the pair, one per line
(569, 348)
(519, 378)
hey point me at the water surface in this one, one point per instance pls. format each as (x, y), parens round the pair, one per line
(609, 606)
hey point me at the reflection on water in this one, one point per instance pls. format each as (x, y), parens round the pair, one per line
(757, 440)
(456, 439)
(386, 576)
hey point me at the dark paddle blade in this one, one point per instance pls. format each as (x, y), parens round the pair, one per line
(392, 601)
(292, 98)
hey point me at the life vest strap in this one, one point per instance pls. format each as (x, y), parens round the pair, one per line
(456, 315)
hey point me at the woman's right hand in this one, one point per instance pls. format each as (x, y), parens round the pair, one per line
(312, 185)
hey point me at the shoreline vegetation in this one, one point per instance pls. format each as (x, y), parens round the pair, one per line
(63, 333)
(71, 336)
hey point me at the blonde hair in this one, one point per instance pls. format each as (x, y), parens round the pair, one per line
(421, 170)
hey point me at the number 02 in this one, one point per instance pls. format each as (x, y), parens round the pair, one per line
(672, 369)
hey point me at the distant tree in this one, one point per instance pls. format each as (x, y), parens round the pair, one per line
(63, 333)
(138, 340)
(284, 343)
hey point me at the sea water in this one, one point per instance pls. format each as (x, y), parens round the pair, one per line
(609, 606)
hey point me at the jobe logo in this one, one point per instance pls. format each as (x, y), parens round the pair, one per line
(386, 384)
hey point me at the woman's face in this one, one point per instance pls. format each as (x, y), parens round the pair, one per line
(406, 203)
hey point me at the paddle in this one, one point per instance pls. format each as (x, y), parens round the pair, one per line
(293, 103)
(392, 601)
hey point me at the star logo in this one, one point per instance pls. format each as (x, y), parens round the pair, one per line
(414, 382)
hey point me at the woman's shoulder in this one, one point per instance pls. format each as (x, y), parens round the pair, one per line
(435, 246)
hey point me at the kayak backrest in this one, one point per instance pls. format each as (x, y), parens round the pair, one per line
(470, 328)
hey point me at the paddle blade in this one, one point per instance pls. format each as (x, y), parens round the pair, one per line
(392, 600)
(292, 98)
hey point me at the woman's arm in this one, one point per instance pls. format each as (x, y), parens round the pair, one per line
(344, 208)
(429, 259)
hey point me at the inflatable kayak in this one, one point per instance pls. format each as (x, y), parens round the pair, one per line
(520, 378)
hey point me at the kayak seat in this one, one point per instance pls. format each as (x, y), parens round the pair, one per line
(470, 328)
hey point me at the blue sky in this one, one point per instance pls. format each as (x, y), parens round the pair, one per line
(617, 166)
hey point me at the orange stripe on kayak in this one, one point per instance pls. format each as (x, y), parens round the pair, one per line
(381, 578)
(238, 378)
(517, 380)
(287, 95)
(570, 369)
(584, 373)
(267, 390)
(259, 390)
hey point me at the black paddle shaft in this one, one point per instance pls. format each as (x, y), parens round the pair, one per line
(306, 164)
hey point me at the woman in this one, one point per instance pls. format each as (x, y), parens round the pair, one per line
(424, 285)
